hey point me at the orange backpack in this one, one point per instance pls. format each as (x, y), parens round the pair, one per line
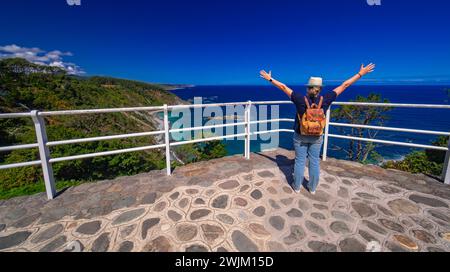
(313, 121)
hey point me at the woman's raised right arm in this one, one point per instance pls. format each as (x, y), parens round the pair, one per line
(278, 84)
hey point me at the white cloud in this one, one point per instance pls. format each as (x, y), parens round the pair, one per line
(35, 55)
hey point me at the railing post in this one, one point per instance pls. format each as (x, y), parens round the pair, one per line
(247, 129)
(327, 130)
(44, 153)
(446, 170)
(167, 139)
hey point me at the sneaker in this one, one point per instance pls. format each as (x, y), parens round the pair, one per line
(295, 190)
(313, 192)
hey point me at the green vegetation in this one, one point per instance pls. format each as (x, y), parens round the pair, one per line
(427, 162)
(364, 152)
(25, 86)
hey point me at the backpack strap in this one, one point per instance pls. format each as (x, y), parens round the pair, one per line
(320, 103)
(307, 103)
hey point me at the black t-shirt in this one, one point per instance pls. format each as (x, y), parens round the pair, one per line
(299, 101)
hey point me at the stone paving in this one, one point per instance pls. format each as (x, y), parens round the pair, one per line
(232, 204)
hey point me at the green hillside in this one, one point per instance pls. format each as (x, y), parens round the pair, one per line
(25, 86)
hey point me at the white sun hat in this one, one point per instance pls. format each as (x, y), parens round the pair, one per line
(315, 82)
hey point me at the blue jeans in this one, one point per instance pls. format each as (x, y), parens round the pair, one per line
(307, 147)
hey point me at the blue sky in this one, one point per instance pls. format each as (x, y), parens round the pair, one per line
(228, 42)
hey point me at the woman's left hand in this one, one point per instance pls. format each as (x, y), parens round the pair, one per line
(265, 75)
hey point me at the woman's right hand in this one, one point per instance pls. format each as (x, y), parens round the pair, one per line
(265, 75)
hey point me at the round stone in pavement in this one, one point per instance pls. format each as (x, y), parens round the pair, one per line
(367, 236)
(128, 216)
(148, 224)
(366, 196)
(319, 246)
(54, 245)
(149, 198)
(259, 211)
(424, 236)
(339, 227)
(220, 202)
(389, 190)
(196, 248)
(239, 201)
(287, 201)
(351, 245)
(199, 201)
(266, 174)
(229, 185)
(363, 209)
(14, 239)
(277, 222)
(243, 243)
(47, 233)
(159, 244)
(374, 227)
(342, 216)
(313, 227)
(174, 216)
(186, 232)
(445, 236)
(126, 246)
(432, 202)
(226, 219)
(258, 230)
(199, 214)
(294, 213)
(175, 195)
(89, 228)
(406, 242)
(424, 223)
(274, 204)
(402, 206)
(318, 216)
(297, 234)
(439, 215)
(303, 205)
(212, 232)
(274, 246)
(391, 225)
(101, 244)
(256, 194)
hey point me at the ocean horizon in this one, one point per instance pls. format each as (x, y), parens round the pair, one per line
(426, 119)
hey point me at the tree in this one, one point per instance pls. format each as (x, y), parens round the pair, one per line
(362, 115)
(429, 161)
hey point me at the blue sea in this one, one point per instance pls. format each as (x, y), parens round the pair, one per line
(426, 119)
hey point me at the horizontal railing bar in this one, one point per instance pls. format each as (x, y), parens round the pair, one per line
(271, 102)
(271, 131)
(159, 108)
(15, 115)
(392, 129)
(106, 153)
(103, 138)
(395, 105)
(21, 164)
(207, 139)
(206, 127)
(175, 107)
(17, 147)
(111, 110)
(272, 121)
(388, 142)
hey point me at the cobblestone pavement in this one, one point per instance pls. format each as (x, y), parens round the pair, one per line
(232, 204)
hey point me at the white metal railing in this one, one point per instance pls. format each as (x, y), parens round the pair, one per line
(46, 160)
